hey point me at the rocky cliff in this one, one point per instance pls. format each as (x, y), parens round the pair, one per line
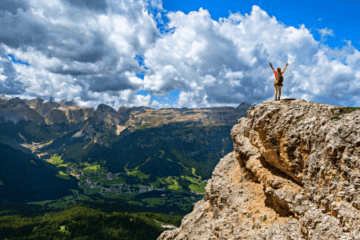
(25, 121)
(293, 174)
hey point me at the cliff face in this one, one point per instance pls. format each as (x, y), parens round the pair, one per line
(293, 174)
(15, 110)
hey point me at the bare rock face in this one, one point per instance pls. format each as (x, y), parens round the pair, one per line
(15, 110)
(55, 116)
(293, 174)
(66, 112)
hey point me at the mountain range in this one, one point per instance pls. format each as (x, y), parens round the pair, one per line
(47, 142)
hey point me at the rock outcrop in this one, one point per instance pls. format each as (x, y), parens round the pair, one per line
(15, 110)
(293, 174)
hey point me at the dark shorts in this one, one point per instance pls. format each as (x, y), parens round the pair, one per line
(280, 85)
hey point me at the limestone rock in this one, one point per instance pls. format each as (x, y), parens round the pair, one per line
(15, 110)
(293, 174)
(66, 112)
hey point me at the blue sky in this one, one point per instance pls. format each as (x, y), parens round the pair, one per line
(341, 16)
(179, 53)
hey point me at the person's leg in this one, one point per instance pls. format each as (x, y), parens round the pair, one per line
(279, 92)
(276, 90)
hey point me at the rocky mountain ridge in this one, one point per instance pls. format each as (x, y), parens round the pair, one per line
(293, 174)
(49, 120)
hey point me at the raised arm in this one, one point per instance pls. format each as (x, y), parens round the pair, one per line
(285, 67)
(271, 67)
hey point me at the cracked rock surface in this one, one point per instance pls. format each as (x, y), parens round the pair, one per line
(294, 174)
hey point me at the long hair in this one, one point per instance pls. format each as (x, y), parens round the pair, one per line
(279, 70)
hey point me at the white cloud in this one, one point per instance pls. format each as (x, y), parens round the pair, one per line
(244, 44)
(324, 33)
(3, 78)
(64, 43)
(208, 80)
(212, 62)
(201, 48)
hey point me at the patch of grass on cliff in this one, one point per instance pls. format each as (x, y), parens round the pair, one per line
(344, 111)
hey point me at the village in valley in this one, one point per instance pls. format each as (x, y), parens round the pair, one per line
(94, 179)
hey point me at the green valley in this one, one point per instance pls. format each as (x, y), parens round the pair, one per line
(73, 172)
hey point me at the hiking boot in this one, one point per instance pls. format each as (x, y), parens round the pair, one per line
(275, 99)
(278, 99)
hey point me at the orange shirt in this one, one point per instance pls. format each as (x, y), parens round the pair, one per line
(277, 74)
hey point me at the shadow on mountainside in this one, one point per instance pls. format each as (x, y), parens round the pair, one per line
(26, 178)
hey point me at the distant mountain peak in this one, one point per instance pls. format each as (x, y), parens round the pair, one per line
(103, 107)
(243, 104)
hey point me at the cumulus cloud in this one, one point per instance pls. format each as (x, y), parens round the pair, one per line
(94, 5)
(12, 6)
(325, 32)
(94, 43)
(225, 62)
(86, 51)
